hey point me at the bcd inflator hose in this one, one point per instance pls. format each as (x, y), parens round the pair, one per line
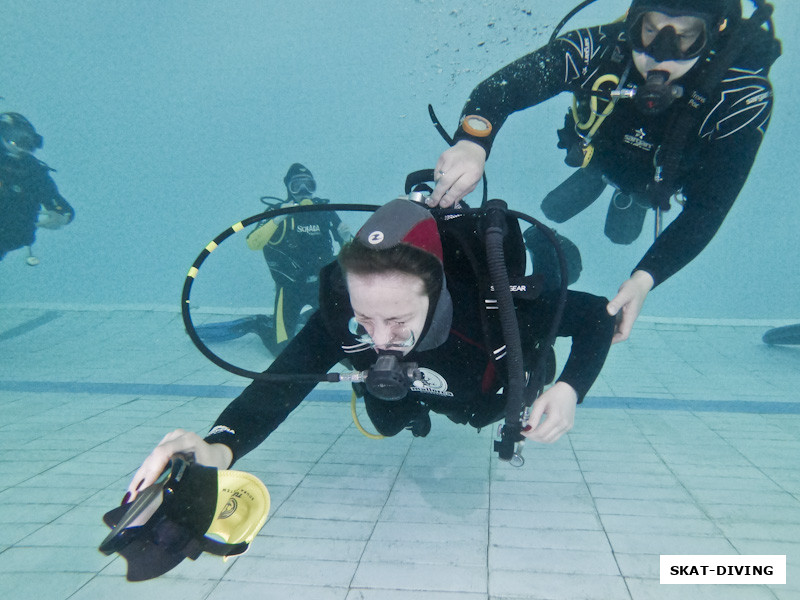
(495, 256)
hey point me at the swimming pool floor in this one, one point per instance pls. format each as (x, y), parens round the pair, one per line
(689, 443)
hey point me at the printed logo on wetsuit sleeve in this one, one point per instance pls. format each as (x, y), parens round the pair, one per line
(221, 429)
(746, 103)
(432, 383)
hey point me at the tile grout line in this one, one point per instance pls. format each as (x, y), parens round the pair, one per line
(599, 518)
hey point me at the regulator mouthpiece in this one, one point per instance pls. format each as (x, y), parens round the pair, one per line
(656, 95)
(389, 379)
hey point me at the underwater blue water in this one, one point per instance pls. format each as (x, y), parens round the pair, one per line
(166, 121)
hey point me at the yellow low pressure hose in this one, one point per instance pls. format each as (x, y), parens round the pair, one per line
(372, 436)
(596, 119)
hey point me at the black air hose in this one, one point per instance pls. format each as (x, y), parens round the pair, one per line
(495, 258)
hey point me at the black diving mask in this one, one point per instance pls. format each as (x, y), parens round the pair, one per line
(18, 142)
(668, 44)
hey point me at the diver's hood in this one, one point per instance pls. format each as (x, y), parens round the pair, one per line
(440, 319)
(404, 221)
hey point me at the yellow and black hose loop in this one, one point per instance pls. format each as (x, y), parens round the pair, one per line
(596, 118)
(213, 245)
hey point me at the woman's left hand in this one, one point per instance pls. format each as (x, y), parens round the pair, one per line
(557, 405)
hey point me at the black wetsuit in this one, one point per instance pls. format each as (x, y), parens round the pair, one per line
(716, 160)
(301, 245)
(25, 186)
(461, 376)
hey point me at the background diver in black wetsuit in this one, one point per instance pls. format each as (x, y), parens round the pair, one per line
(390, 291)
(29, 198)
(296, 247)
(672, 100)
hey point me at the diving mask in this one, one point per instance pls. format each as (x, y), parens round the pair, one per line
(389, 379)
(302, 184)
(667, 43)
(22, 143)
(402, 338)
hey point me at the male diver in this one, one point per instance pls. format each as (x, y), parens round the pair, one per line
(296, 247)
(672, 100)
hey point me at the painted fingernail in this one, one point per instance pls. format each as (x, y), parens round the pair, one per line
(125, 499)
(527, 428)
